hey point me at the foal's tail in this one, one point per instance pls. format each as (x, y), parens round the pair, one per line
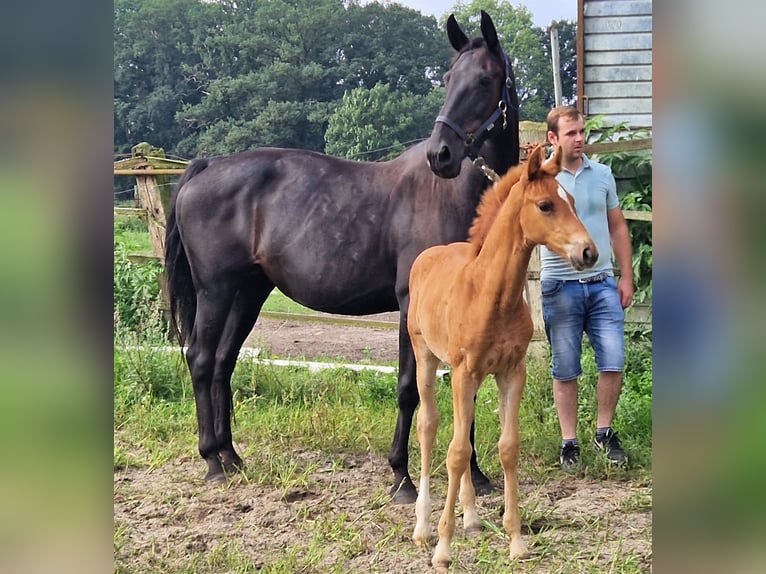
(181, 293)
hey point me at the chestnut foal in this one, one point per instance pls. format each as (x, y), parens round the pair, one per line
(467, 309)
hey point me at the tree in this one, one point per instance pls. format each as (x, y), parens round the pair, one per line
(392, 45)
(381, 122)
(268, 76)
(567, 58)
(153, 42)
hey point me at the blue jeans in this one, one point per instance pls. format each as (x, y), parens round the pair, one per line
(571, 308)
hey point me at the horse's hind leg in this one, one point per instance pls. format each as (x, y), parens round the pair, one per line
(214, 303)
(242, 316)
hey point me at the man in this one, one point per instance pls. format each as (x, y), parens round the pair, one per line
(590, 301)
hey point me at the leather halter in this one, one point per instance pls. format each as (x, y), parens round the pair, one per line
(474, 140)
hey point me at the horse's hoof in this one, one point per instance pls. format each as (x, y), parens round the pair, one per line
(234, 467)
(404, 493)
(481, 484)
(473, 531)
(215, 478)
(521, 552)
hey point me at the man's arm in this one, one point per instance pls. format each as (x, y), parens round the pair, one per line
(623, 254)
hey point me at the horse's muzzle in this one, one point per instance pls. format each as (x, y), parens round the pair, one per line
(443, 162)
(584, 256)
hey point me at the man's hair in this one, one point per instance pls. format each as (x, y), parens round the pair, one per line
(561, 112)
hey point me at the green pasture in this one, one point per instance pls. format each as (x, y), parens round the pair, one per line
(280, 411)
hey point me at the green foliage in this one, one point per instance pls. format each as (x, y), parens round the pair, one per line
(137, 305)
(634, 171)
(199, 77)
(132, 234)
(380, 123)
(155, 41)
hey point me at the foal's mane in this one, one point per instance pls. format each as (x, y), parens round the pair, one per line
(490, 205)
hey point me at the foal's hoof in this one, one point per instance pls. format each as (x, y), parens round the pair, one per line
(404, 492)
(473, 531)
(520, 551)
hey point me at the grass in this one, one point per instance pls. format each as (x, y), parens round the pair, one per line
(284, 412)
(281, 412)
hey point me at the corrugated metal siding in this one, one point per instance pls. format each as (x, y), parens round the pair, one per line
(616, 60)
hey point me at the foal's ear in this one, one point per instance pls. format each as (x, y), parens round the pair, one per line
(456, 36)
(553, 167)
(488, 30)
(535, 162)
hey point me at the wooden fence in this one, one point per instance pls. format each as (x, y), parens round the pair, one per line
(153, 202)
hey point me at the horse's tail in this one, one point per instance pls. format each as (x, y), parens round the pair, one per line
(181, 293)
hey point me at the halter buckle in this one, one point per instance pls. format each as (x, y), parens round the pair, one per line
(502, 106)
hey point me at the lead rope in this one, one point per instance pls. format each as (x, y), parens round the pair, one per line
(482, 166)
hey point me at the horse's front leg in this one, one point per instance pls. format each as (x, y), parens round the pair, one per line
(464, 386)
(510, 388)
(428, 422)
(481, 483)
(403, 491)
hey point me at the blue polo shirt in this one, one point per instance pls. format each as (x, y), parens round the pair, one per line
(595, 192)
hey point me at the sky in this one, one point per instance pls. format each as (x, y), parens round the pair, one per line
(543, 11)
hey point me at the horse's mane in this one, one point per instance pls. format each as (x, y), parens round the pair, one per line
(490, 205)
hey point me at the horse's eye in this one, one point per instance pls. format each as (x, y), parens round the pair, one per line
(485, 82)
(545, 206)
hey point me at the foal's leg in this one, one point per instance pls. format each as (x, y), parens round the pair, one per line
(213, 304)
(510, 387)
(464, 387)
(242, 316)
(428, 422)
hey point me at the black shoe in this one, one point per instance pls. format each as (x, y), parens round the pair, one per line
(569, 456)
(610, 445)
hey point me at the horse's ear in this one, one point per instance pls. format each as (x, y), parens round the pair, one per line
(553, 166)
(456, 36)
(488, 31)
(535, 162)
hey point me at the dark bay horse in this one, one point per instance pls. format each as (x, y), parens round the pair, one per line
(335, 235)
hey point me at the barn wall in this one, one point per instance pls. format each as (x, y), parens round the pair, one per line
(615, 60)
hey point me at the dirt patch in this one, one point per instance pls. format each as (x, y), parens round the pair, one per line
(308, 340)
(340, 519)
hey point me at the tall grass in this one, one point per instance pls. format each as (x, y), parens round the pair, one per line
(339, 410)
(281, 411)
(336, 409)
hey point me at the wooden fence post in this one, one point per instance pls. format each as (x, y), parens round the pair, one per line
(149, 199)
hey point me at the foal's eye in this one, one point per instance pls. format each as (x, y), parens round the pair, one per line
(545, 206)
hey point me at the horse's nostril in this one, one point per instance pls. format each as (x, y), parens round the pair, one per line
(444, 154)
(588, 255)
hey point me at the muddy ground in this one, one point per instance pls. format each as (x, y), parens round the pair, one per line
(340, 520)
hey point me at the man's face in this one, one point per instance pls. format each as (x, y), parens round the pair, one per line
(571, 138)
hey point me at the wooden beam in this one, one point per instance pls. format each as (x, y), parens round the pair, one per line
(620, 146)
(638, 215)
(137, 211)
(149, 171)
